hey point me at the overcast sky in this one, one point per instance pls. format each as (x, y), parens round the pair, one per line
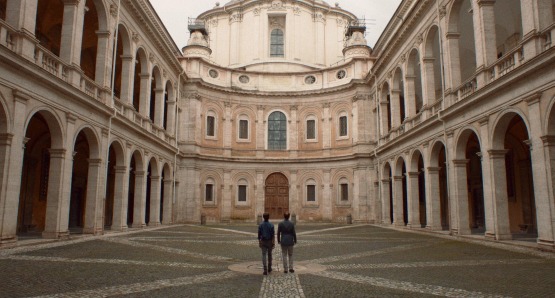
(175, 13)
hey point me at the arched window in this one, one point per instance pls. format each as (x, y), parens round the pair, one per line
(310, 193)
(343, 191)
(211, 126)
(277, 131)
(243, 133)
(209, 192)
(242, 191)
(343, 127)
(276, 43)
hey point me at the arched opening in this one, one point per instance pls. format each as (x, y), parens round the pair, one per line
(153, 194)
(276, 195)
(48, 30)
(131, 190)
(148, 193)
(162, 190)
(422, 192)
(277, 131)
(461, 41)
(444, 199)
(438, 200)
(508, 25)
(89, 46)
(432, 65)
(167, 97)
(520, 187)
(119, 65)
(386, 113)
(35, 177)
(79, 180)
(414, 73)
(154, 85)
(400, 200)
(166, 196)
(475, 185)
(405, 197)
(387, 194)
(3, 4)
(417, 190)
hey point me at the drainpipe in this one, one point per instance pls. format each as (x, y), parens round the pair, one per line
(114, 112)
(442, 120)
(176, 119)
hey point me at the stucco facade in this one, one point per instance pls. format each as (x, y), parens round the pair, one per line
(446, 124)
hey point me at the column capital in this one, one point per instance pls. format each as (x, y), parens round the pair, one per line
(497, 154)
(397, 178)
(71, 2)
(412, 174)
(120, 169)
(533, 99)
(139, 173)
(95, 162)
(452, 35)
(57, 153)
(433, 169)
(486, 3)
(385, 181)
(460, 162)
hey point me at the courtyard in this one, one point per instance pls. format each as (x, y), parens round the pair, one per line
(223, 261)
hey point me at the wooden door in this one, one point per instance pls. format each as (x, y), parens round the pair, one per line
(276, 196)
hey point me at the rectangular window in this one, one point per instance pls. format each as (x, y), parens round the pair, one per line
(242, 196)
(210, 126)
(344, 192)
(311, 193)
(343, 126)
(209, 195)
(243, 129)
(310, 129)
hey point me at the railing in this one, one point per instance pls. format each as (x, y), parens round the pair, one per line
(91, 88)
(436, 106)
(6, 34)
(506, 63)
(467, 88)
(51, 63)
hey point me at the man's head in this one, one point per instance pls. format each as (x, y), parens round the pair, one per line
(266, 216)
(286, 215)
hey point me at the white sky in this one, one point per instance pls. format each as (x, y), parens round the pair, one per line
(175, 14)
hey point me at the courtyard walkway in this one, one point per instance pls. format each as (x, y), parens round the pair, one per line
(223, 261)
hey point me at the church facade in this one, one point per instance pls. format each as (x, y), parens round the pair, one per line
(446, 124)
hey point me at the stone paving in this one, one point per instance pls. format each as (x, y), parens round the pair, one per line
(224, 261)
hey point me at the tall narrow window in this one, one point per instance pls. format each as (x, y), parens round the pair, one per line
(210, 126)
(276, 43)
(311, 193)
(243, 129)
(277, 131)
(311, 129)
(242, 193)
(344, 192)
(343, 126)
(209, 194)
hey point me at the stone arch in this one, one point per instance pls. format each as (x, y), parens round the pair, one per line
(385, 108)
(168, 96)
(124, 63)
(136, 191)
(508, 25)
(501, 124)
(140, 81)
(116, 200)
(387, 193)
(49, 22)
(277, 130)
(400, 195)
(243, 181)
(153, 193)
(417, 190)
(156, 96)
(438, 197)
(54, 125)
(399, 109)
(460, 39)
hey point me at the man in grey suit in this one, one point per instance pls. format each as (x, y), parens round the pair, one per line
(287, 238)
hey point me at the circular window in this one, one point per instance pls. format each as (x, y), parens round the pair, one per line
(310, 80)
(244, 79)
(341, 74)
(213, 73)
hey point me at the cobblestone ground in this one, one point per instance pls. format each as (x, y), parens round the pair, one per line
(331, 261)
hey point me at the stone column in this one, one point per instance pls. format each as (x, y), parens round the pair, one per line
(260, 132)
(167, 202)
(384, 116)
(94, 202)
(104, 59)
(293, 132)
(486, 45)
(139, 207)
(227, 200)
(57, 201)
(360, 197)
(22, 16)
(410, 96)
(9, 195)
(398, 219)
(235, 37)
(386, 206)
(294, 205)
(319, 38)
(121, 191)
(327, 206)
(488, 185)
(429, 83)
(326, 127)
(171, 118)
(127, 80)
(460, 195)
(500, 198)
(395, 108)
(453, 56)
(259, 191)
(413, 200)
(549, 148)
(433, 206)
(154, 218)
(543, 198)
(159, 107)
(144, 103)
(72, 37)
(227, 127)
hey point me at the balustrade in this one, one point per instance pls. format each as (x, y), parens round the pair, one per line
(506, 63)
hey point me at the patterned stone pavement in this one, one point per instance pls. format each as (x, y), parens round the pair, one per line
(223, 261)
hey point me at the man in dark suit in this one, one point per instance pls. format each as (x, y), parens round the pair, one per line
(266, 242)
(287, 238)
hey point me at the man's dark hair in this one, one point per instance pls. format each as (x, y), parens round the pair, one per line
(286, 215)
(266, 216)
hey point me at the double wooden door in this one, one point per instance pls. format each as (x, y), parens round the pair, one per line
(276, 200)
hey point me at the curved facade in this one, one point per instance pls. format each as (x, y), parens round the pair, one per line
(447, 124)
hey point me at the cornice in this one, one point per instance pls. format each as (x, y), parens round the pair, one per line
(155, 29)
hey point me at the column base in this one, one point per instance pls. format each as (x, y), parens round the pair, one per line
(55, 235)
(138, 226)
(504, 237)
(154, 224)
(8, 241)
(93, 231)
(549, 244)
